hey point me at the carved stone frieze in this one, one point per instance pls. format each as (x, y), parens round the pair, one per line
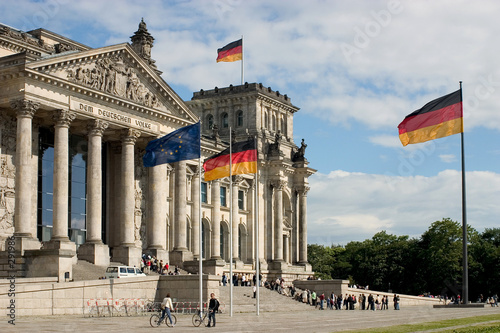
(112, 75)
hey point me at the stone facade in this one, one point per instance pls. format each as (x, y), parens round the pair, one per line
(74, 124)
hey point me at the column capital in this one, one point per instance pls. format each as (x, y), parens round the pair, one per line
(63, 118)
(279, 184)
(97, 127)
(25, 108)
(302, 190)
(129, 136)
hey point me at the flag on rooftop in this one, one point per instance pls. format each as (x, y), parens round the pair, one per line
(231, 52)
(244, 160)
(182, 144)
(436, 119)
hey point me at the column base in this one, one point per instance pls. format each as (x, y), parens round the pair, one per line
(26, 242)
(159, 253)
(179, 256)
(307, 266)
(210, 266)
(279, 265)
(54, 259)
(96, 253)
(128, 255)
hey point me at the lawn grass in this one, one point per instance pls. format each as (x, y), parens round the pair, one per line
(476, 321)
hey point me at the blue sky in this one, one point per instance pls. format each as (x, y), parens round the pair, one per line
(355, 69)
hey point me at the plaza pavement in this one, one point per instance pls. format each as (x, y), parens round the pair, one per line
(290, 321)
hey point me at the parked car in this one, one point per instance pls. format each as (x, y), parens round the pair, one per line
(116, 272)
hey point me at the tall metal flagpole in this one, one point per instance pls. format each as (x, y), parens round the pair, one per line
(465, 276)
(231, 221)
(256, 222)
(242, 49)
(200, 239)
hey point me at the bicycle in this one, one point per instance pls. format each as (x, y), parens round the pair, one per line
(199, 318)
(155, 321)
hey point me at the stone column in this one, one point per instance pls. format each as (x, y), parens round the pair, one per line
(235, 222)
(157, 204)
(127, 252)
(286, 248)
(278, 219)
(63, 120)
(216, 219)
(23, 221)
(94, 250)
(303, 225)
(195, 217)
(180, 252)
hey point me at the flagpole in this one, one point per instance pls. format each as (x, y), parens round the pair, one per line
(256, 222)
(200, 238)
(465, 277)
(242, 59)
(231, 221)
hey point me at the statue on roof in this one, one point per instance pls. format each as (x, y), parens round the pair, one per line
(142, 42)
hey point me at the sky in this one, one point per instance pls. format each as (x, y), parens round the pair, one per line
(355, 69)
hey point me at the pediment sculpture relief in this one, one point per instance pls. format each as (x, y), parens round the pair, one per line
(113, 76)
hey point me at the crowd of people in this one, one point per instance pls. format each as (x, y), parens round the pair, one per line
(151, 264)
(347, 301)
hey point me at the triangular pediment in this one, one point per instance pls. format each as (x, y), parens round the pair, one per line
(116, 71)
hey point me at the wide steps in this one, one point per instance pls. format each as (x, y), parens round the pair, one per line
(269, 301)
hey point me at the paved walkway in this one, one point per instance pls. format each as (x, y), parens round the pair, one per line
(315, 321)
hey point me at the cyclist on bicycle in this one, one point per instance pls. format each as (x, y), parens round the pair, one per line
(166, 307)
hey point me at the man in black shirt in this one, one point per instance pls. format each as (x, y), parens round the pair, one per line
(213, 306)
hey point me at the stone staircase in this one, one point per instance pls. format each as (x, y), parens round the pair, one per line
(269, 301)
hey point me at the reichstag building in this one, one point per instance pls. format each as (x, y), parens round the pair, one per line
(74, 124)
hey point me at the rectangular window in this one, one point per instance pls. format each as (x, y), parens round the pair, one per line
(204, 192)
(223, 196)
(241, 200)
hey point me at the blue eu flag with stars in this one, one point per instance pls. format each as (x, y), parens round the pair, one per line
(182, 144)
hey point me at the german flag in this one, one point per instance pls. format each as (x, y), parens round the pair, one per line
(231, 52)
(436, 119)
(244, 160)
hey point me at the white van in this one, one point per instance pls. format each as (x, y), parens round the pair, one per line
(116, 272)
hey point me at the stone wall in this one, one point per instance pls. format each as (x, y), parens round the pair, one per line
(44, 296)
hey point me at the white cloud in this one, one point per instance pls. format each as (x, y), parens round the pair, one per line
(448, 158)
(345, 206)
(391, 141)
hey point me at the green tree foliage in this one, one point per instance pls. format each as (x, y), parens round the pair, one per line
(431, 264)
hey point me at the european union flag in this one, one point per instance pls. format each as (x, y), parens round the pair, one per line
(183, 144)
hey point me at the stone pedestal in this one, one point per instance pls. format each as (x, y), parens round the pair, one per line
(128, 255)
(211, 266)
(307, 266)
(23, 243)
(238, 264)
(178, 257)
(96, 253)
(54, 259)
(279, 265)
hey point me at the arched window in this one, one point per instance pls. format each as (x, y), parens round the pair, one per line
(273, 126)
(266, 124)
(225, 120)
(239, 118)
(210, 121)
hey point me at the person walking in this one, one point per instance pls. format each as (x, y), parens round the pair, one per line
(166, 306)
(213, 306)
